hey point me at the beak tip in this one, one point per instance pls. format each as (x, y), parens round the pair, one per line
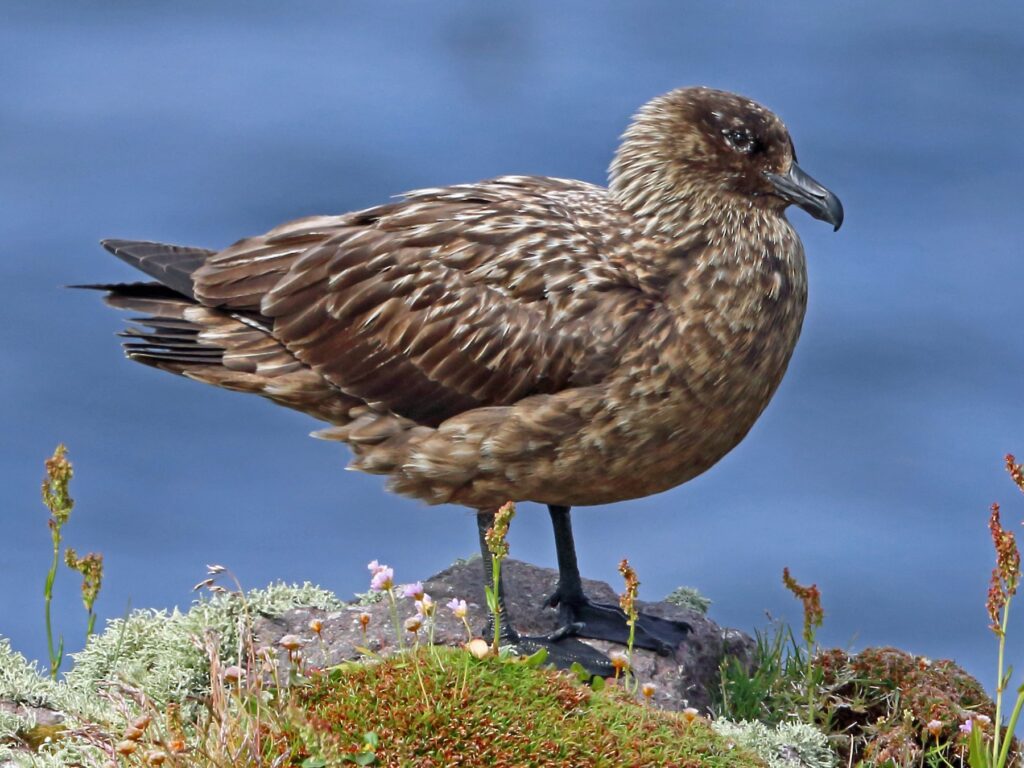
(835, 209)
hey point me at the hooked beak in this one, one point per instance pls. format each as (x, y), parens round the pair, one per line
(800, 189)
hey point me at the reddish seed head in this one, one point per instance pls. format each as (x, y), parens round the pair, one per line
(1006, 574)
(1016, 471)
(496, 535)
(627, 601)
(811, 599)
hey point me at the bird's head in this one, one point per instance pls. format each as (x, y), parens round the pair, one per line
(696, 150)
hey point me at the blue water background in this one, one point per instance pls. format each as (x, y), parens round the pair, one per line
(871, 472)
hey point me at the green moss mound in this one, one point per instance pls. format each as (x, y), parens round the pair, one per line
(445, 708)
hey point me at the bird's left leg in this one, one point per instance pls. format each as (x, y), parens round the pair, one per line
(584, 618)
(562, 652)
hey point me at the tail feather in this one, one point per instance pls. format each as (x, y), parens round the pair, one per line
(236, 350)
(172, 265)
(174, 333)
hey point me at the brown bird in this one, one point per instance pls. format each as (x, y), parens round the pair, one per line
(524, 338)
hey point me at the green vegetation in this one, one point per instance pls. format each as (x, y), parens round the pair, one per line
(883, 706)
(57, 499)
(493, 712)
(192, 689)
(151, 692)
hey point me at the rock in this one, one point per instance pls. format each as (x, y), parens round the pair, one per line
(40, 715)
(687, 679)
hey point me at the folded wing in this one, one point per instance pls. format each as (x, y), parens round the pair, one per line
(448, 300)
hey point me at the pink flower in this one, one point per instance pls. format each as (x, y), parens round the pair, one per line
(934, 727)
(966, 726)
(383, 579)
(415, 591)
(373, 566)
(425, 606)
(458, 607)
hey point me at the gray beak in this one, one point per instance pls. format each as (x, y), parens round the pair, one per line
(800, 189)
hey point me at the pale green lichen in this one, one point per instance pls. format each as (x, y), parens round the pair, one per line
(786, 745)
(159, 652)
(368, 598)
(163, 653)
(690, 598)
(20, 680)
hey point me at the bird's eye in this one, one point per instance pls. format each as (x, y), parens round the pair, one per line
(741, 140)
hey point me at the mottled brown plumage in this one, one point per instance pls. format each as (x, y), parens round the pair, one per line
(522, 338)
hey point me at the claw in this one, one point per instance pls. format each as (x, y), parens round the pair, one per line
(566, 630)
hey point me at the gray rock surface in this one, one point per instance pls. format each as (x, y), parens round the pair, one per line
(688, 678)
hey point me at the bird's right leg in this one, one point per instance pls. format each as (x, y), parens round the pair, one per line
(582, 617)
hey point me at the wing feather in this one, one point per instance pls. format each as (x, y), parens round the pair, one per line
(451, 299)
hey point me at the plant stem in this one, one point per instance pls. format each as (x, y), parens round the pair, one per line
(56, 656)
(810, 687)
(1011, 726)
(496, 607)
(1000, 685)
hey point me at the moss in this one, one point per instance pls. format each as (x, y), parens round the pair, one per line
(786, 745)
(882, 699)
(450, 709)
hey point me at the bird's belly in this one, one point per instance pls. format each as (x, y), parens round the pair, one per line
(652, 448)
(592, 446)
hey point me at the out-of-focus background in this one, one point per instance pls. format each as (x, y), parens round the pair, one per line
(870, 474)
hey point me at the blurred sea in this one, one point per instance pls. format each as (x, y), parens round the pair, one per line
(870, 474)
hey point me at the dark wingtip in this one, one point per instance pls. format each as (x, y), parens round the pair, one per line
(117, 246)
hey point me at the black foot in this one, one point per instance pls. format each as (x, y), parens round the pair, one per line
(566, 651)
(563, 651)
(582, 618)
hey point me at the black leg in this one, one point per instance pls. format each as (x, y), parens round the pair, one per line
(562, 652)
(584, 618)
(509, 636)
